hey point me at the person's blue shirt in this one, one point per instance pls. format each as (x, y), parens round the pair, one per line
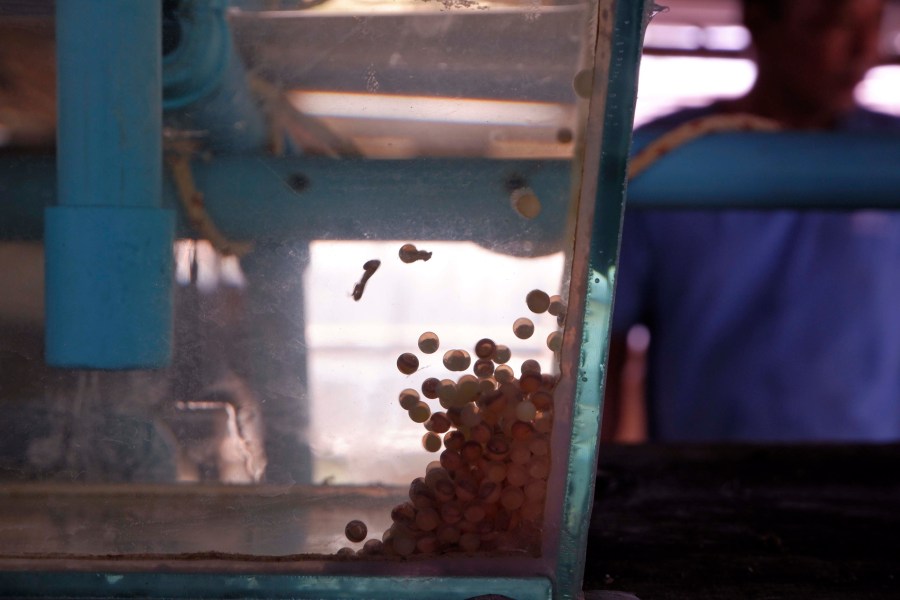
(767, 325)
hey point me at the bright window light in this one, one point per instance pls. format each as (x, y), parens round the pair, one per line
(671, 82)
(727, 37)
(668, 83)
(879, 89)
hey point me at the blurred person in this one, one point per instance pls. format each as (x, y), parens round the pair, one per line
(769, 325)
(27, 84)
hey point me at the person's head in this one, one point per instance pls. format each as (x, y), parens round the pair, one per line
(814, 52)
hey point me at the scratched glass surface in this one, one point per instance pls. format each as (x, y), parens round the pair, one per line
(400, 168)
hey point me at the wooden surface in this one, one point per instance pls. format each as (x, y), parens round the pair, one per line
(746, 522)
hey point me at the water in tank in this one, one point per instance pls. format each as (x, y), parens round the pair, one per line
(339, 329)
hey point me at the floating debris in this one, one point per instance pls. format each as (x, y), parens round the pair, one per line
(525, 202)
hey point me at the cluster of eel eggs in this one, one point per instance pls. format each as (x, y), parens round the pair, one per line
(486, 491)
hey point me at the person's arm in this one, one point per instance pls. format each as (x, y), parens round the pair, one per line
(624, 414)
(625, 404)
(612, 405)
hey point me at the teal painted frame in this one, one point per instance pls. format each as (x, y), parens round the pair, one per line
(619, 91)
(47, 585)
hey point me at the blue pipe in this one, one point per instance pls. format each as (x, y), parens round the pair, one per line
(826, 170)
(205, 85)
(109, 241)
(306, 198)
(256, 199)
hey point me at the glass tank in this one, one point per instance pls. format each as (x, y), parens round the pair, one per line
(302, 288)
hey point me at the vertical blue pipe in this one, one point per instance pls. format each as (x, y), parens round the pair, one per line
(109, 242)
(110, 118)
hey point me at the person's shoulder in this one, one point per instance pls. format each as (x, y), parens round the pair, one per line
(680, 117)
(652, 130)
(864, 120)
